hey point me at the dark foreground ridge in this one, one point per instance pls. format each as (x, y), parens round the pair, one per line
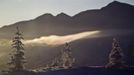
(83, 71)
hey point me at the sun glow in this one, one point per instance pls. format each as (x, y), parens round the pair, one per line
(59, 40)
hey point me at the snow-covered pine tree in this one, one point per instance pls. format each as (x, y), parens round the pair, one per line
(66, 57)
(115, 56)
(17, 59)
(64, 60)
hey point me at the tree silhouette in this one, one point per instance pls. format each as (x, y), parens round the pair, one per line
(115, 56)
(63, 60)
(66, 58)
(17, 59)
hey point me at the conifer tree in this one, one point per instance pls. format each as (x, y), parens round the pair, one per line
(66, 58)
(17, 59)
(63, 60)
(115, 56)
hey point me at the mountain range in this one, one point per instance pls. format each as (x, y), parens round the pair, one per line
(115, 19)
(115, 15)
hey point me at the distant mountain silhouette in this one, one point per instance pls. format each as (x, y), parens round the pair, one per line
(115, 15)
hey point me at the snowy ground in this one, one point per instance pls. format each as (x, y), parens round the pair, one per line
(84, 71)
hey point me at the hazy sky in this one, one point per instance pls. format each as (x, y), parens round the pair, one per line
(12, 11)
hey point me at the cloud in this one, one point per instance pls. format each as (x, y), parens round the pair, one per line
(59, 40)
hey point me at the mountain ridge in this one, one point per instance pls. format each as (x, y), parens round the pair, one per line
(115, 15)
